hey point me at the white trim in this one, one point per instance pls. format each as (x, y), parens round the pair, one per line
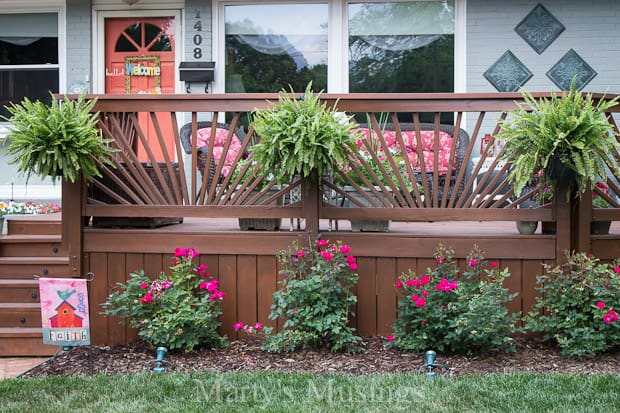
(460, 46)
(98, 57)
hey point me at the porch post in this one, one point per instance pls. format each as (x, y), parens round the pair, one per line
(310, 203)
(564, 229)
(72, 225)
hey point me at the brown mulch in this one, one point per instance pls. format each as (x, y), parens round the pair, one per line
(532, 355)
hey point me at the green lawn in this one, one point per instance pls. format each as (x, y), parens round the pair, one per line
(282, 392)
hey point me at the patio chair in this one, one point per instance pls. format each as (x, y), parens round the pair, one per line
(185, 136)
(461, 150)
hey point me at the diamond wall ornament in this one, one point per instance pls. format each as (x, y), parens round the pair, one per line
(570, 66)
(539, 28)
(507, 74)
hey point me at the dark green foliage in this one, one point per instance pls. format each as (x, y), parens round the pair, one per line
(315, 298)
(567, 311)
(456, 311)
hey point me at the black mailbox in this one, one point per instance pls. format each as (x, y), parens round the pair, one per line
(197, 71)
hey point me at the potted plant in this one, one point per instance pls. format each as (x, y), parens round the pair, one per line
(250, 188)
(570, 128)
(300, 136)
(60, 140)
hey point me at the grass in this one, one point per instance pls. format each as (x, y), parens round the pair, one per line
(288, 392)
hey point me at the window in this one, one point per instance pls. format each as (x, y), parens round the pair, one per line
(28, 57)
(406, 46)
(269, 47)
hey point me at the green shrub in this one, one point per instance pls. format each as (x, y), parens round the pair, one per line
(577, 306)
(456, 311)
(315, 298)
(179, 311)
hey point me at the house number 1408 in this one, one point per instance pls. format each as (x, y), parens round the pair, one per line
(197, 39)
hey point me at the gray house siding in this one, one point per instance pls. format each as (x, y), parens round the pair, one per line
(592, 30)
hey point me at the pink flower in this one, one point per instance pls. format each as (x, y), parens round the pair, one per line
(327, 256)
(238, 326)
(201, 269)
(179, 252)
(398, 284)
(300, 254)
(390, 338)
(617, 270)
(144, 286)
(212, 286)
(218, 295)
(345, 249)
(607, 318)
(494, 264)
(473, 262)
(439, 260)
(410, 283)
(424, 322)
(165, 285)
(353, 266)
(425, 279)
(148, 298)
(420, 302)
(258, 326)
(350, 259)
(191, 253)
(613, 316)
(600, 304)
(424, 293)
(445, 285)
(203, 285)
(414, 297)
(321, 243)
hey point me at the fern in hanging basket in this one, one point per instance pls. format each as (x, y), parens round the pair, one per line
(60, 140)
(570, 127)
(299, 136)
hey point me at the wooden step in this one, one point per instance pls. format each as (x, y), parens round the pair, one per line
(19, 291)
(20, 315)
(24, 268)
(30, 245)
(28, 341)
(49, 224)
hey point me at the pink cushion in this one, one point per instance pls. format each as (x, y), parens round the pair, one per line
(221, 135)
(427, 138)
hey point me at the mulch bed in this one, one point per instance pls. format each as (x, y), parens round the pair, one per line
(246, 355)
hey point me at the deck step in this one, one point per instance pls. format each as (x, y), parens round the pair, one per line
(19, 291)
(25, 267)
(50, 224)
(30, 245)
(22, 341)
(13, 315)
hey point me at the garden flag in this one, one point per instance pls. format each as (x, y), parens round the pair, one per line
(64, 311)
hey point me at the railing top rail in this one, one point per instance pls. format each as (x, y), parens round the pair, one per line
(351, 102)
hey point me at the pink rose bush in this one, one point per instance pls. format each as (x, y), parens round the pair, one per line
(578, 305)
(314, 300)
(454, 310)
(178, 310)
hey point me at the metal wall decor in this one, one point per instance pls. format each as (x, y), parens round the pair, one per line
(570, 66)
(507, 74)
(539, 28)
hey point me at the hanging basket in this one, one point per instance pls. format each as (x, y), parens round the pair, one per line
(558, 170)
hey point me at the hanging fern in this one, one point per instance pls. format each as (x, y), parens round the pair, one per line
(299, 136)
(570, 126)
(57, 140)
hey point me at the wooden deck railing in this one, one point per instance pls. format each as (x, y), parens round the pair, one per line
(157, 176)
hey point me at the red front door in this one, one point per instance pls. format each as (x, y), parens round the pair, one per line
(139, 58)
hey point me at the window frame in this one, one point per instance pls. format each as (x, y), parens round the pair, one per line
(27, 7)
(337, 53)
